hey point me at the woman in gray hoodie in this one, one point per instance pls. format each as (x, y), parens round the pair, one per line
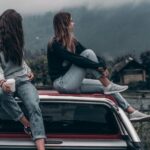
(12, 65)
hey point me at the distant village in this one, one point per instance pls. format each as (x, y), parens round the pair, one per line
(132, 71)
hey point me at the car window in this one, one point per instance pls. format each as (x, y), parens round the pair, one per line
(74, 118)
(70, 118)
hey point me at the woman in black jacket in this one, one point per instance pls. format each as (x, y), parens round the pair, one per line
(69, 62)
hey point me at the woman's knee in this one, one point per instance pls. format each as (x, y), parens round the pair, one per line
(90, 54)
(87, 52)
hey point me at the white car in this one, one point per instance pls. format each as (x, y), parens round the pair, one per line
(75, 122)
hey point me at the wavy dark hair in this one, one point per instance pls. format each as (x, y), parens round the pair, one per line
(61, 24)
(11, 36)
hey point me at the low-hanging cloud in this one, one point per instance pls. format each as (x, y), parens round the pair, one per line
(42, 6)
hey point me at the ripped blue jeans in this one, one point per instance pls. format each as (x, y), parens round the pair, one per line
(9, 109)
(74, 81)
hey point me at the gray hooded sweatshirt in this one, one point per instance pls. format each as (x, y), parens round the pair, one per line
(9, 70)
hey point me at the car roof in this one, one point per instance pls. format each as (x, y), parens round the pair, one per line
(52, 94)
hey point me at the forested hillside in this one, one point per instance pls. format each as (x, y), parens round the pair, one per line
(110, 32)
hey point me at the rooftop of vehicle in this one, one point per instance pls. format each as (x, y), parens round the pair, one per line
(45, 94)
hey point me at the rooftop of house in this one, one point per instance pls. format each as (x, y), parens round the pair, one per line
(124, 62)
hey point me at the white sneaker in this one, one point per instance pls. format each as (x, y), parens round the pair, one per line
(114, 88)
(138, 116)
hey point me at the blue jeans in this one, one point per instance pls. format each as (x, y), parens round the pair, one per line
(29, 96)
(74, 81)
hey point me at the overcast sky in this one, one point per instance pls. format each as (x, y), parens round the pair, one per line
(42, 6)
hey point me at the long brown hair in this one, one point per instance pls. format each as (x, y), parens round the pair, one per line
(11, 36)
(61, 24)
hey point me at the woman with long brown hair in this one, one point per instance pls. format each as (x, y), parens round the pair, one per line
(12, 65)
(69, 62)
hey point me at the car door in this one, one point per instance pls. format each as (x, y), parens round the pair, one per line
(80, 125)
(71, 124)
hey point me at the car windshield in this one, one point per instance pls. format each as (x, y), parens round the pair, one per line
(71, 118)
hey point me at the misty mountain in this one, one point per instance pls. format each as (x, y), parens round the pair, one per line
(110, 32)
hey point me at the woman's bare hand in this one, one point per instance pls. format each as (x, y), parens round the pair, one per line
(6, 87)
(106, 73)
(30, 76)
